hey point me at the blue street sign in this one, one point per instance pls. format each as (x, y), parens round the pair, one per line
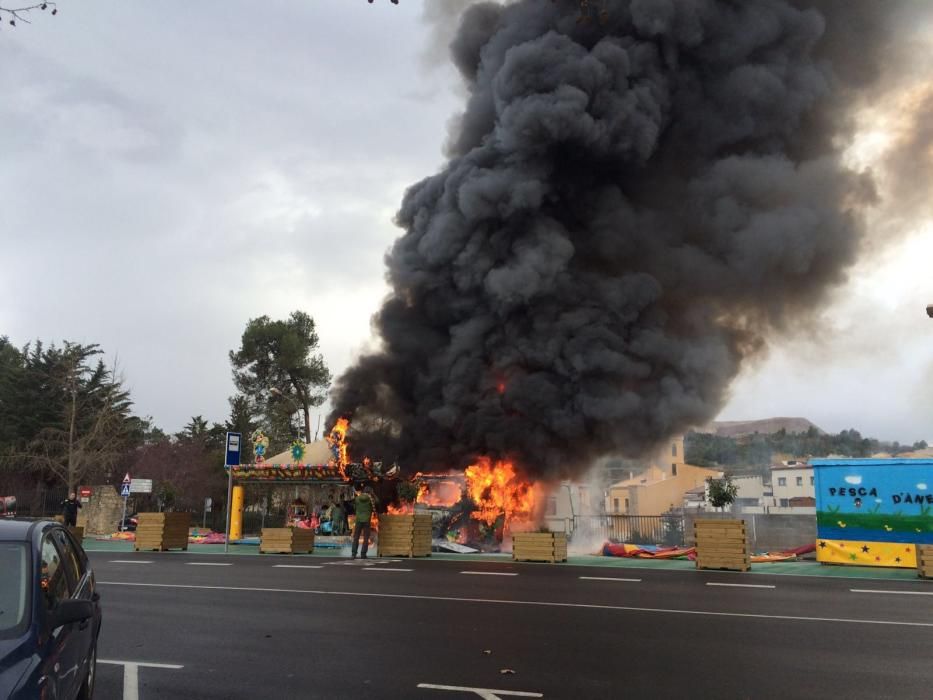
(125, 491)
(233, 449)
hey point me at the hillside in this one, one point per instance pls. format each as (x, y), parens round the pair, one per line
(765, 426)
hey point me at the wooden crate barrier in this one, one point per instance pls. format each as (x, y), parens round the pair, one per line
(539, 546)
(286, 540)
(925, 560)
(162, 531)
(404, 535)
(78, 532)
(721, 544)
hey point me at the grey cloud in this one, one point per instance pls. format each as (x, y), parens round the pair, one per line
(630, 210)
(168, 175)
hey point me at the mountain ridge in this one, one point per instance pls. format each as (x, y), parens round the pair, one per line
(764, 426)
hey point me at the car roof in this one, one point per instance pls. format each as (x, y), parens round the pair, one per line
(21, 530)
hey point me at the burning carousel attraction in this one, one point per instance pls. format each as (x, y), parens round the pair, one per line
(323, 465)
(631, 208)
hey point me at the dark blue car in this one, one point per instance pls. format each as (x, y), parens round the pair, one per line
(49, 613)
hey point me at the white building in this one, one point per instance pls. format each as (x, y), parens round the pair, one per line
(565, 502)
(750, 493)
(792, 484)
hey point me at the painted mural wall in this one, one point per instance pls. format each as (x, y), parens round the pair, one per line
(873, 512)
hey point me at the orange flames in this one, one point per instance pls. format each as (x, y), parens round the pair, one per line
(497, 490)
(338, 440)
(432, 492)
(442, 493)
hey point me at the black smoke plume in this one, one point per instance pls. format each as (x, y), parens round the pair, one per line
(629, 210)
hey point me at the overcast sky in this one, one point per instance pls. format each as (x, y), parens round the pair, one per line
(170, 170)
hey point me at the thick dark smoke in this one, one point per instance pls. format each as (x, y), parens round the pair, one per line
(629, 210)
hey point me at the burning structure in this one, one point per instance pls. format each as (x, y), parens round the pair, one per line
(630, 209)
(472, 506)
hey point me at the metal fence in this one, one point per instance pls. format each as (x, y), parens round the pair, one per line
(44, 503)
(667, 529)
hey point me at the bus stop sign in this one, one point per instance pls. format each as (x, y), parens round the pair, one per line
(233, 449)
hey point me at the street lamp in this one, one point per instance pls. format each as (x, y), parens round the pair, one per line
(275, 391)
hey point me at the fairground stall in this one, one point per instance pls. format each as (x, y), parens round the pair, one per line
(873, 512)
(322, 465)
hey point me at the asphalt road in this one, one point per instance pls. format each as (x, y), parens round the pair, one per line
(310, 627)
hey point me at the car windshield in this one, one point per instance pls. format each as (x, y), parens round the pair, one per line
(13, 588)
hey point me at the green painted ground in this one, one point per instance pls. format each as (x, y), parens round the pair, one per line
(892, 522)
(793, 568)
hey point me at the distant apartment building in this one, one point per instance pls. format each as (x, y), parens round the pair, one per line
(792, 485)
(750, 493)
(661, 487)
(751, 490)
(791, 492)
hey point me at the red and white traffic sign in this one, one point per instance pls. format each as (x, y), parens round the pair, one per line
(126, 479)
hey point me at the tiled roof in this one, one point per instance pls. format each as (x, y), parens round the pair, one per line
(799, 465)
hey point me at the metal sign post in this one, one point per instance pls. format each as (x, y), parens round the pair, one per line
(232, 458)
(125, 492)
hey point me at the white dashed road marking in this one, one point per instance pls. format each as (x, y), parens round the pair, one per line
(868, 590)
(297, 566)
(488, 573)
(485, 693)
(128, 561)
(383, 568)
(364, 562)
(610, 578)
(207, 563)
(740, 585)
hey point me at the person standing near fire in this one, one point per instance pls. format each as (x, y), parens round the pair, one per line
(70, 508)
(336, 518)
(363, 505)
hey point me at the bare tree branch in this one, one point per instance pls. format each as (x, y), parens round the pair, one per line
(19, 13)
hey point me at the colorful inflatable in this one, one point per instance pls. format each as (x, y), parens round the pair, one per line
(649, 551)
(646, 551)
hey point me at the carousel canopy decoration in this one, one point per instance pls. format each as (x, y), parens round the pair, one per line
(298, 451)
(319, 461)
(269, 471)
(260, 445)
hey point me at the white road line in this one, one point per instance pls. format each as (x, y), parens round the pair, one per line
(535, 603)
(488, 573)
(382, 568)
(130, 682)
(206, 563)
(131, 675)
(741, 585)
(485, 693)
(609, 578)
(297, 566)
(868, 590)
(128, 561)
(144, 664)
